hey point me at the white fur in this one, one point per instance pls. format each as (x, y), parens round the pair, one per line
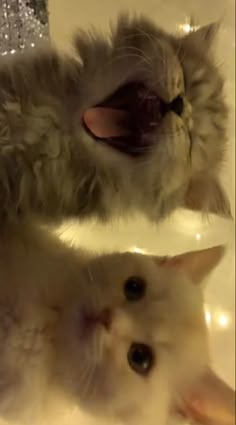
(49, 372)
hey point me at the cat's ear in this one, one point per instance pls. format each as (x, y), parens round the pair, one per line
(205, 36)
(196, 264)
(206, 194)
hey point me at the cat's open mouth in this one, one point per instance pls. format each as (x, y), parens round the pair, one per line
(127, 117)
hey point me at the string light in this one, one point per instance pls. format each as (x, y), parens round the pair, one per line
(208, 317)
(223, 320)
(137, 250)
(218, 319)
(185, 27)
(23, 23)
(188, 27)
(198, 236)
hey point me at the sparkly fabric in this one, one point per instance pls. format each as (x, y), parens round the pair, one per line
(23, 24)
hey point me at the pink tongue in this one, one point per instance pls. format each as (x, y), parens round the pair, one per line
(106, 122)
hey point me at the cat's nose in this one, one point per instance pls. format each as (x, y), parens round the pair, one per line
(177, 106)
(103, 318)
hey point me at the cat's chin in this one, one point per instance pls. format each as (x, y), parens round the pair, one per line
(127, 120)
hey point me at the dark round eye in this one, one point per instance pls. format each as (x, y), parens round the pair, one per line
(134, 288)
(140, 358)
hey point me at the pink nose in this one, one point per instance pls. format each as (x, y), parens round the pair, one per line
(104, 318)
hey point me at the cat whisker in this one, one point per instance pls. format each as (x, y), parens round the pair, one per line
(190, 145)
(154, 79)
(143, 163)
(136, 49)
(147, 60)
(143, 57)
(150, 37)
(84, 376)
(91, 279)
(90, 388)
(100, 347)
(130, 55)
(86, 384)
(96, 298)
(155, 43)
(142, 148)
(90, 375)
(179, 50)
(130, 36)
(153, 39)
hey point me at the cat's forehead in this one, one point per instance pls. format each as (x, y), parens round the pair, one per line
(165, 285)
(124, 264)
(119, 267)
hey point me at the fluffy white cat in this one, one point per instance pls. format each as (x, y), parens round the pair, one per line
(119, 337)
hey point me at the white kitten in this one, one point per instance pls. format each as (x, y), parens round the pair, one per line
(120, 337)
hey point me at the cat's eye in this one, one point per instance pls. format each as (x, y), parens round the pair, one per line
(134, 288)
(140, 358)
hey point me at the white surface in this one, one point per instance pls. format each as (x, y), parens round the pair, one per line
(184, 231)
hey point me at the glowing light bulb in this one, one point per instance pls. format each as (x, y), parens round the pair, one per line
(198, 236)
(187, 27)
(208, 316)
(223, 320)
(137, 250)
